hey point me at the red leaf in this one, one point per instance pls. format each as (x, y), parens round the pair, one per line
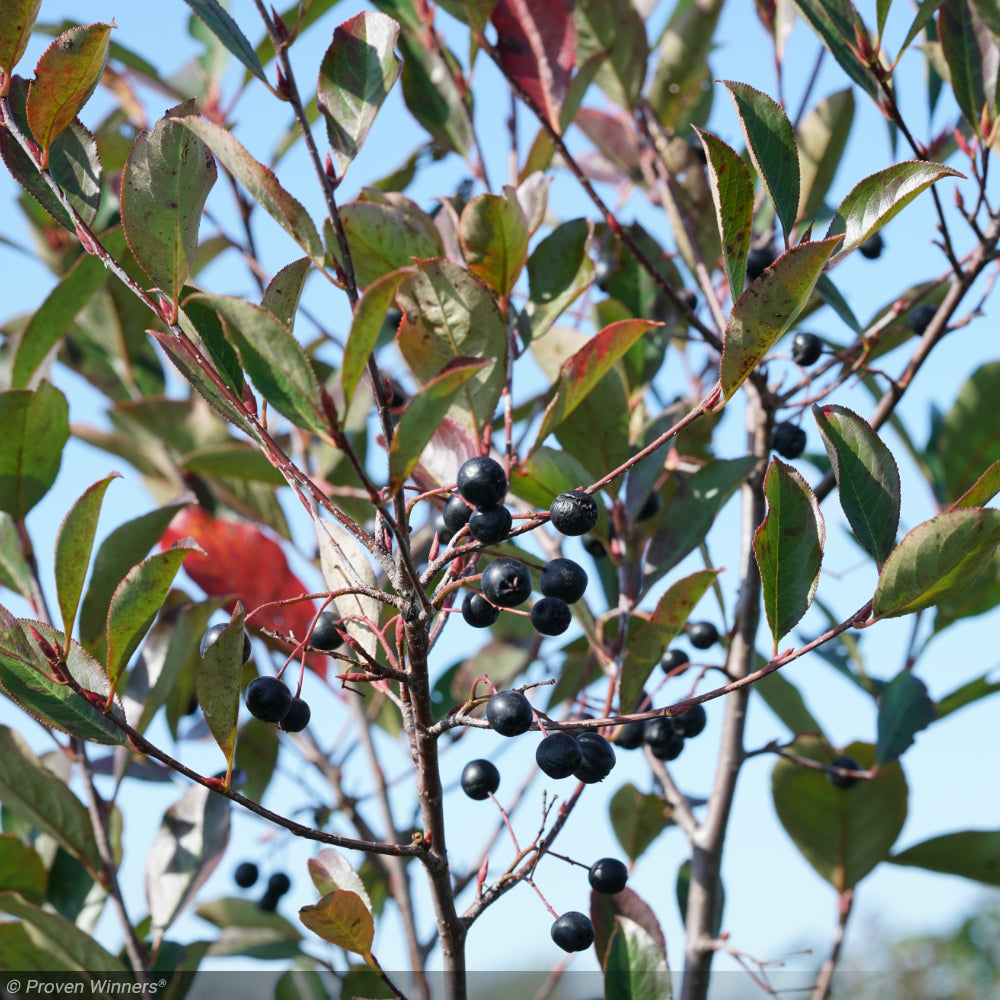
(241, 560)
(537, 46)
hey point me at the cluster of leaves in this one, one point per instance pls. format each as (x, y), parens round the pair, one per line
(471, 296)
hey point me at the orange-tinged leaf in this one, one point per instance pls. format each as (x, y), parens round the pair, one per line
(65, 77)
(16, 20)
(341, 918)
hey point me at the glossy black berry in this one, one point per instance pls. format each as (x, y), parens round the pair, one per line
(702, 635)
(477, 611)
(603, 267)
(439, 528)
(456, 514)
(268, 699)
(480, 779)
(214, 632)
(608, 875)
(573, 512)
(564, 579)
(482, 481)
(598, 758)
(672, 659)
(594, 547)
(806, 349)
(872, 247)
(297, 718)
(921, 316)
(663, 740)
(758, 259)
(551, 616)
(848, 764)
(691, 722)
(509, 713)
(559, 754)
(245, 874)
(268, 902)
(279, 883)
(650, 507)
(325, 634)
(490, 525)
(573, 931)
(507, 582)
(630, 736)
(788, 439)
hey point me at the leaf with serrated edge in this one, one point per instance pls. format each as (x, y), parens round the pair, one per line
(559, 270)
(973, 854)
(867, 477)
(65, 77)
(615, 33)
(341, 918)
(768, 308)
(732, 195)
(217, 685)
(330, 870)
(355, 77)
(879, 198)
(648, 644)
(771, 143)
(17, 18)
(789, 548)
(222, 25)
(982, 491)
(493, 233)
(904, 709)
(284, 290)
(935, 560)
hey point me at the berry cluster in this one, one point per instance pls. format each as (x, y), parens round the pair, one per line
(278, 884)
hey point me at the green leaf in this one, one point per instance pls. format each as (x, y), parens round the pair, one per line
(136, 602)
(25, 675)
(981, 687)
(384, 238)
(65, 77)
(635, 967)
(879, 198)
(17, 18)
(768, 309)
(191, 841)
(493, 233)
(273, 358)
(217, 684)
(256, 756)
(546, 473)
(617, 33)
(842, 832)
(15, 574)
(449, 314)
(581, 372)
(355, 77)
(165, 184)
(732, 195)
(33, 793)
(472, 12)
(559, 270)
(637, 819)
(341, 918)
(432, 95)
(284, 290)
(330, 870)
(19, 952)
(74, 544)
(35, 430)
(982, 491)
(821, 140)
(21, 869)
(982, 595)
(970, 51)
(665, 623)
(205, 328)
(972, 854)
(233, 911)
(684, 889)
(365, 328)
(423, 415)
(260, 183)
(867, 478)
(235, 460)
(771, 143)
(789, 548)
(221, 24)
(831, 295)
(936, 560)
(904, 709)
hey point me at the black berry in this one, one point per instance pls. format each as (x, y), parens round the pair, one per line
(279, 883)
(439, 528)
(573, 931)
(551, 616)
(456, 514)
(268, 699)
(214, 632)
(509, 713)
(325, 634)
(507, 582)
(480, 779)
(594, 547)
(490, 525)
(477, 611)
(573, 512)
(848, 764)
(650, 508)
(245, 874)
(788, 440)
(663, 740)
(268, 902)
(758, 259)
(630, 736)
(298, 716)
(672, 659)
(598, 758)
(702, 635)
(564, 579)
(806, 349)
(921, 316)
(603, 267)
(691, 722)
(872, 247)
(608, 875)
(482, 481)
(559, 754)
